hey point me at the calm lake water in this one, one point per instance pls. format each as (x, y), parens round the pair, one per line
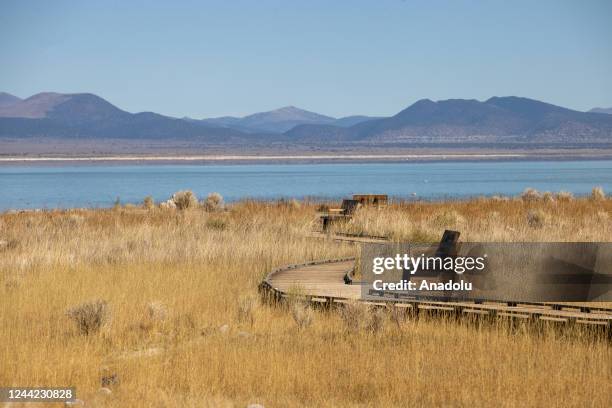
(98, 185)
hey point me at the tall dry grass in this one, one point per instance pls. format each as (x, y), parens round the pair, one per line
(183, 327)
(538, 218)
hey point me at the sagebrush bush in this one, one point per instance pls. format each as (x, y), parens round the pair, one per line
(598, 193)
(548, 197)
(530, 194)
(167, 205)
(185, 200)
(89, 317)
(148, 203)
(302, 315)
(564, 196)
(213, 202)
(536, 218)
(499, 198)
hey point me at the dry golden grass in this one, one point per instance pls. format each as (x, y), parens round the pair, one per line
(183, 330)
(490, 220)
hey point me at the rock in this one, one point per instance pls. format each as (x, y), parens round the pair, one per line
(224, 329)
(244, 334)
(104, 391)
(255, 406)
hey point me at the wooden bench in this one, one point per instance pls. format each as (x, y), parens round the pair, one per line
(344, 213)
(374, 200)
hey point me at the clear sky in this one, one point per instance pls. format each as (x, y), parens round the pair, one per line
(203, 59)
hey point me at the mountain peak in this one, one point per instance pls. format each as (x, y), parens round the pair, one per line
(280, 120)
(288, 108)
(76, 107)
(424, 101)
(6, 99)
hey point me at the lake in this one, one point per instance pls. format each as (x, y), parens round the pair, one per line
(99, 185)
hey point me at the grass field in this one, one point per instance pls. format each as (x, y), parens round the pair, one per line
(180, 323)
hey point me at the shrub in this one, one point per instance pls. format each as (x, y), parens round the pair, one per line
(90, 317)
(536, 218)
(564, 196)
(184, 200)
(302, 315)
(167, 205)
(213, 202)
(148, 203)
(548, 197)
(530, 194)
(155, 315)
(598, 193)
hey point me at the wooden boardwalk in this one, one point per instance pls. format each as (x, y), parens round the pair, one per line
(325, 282)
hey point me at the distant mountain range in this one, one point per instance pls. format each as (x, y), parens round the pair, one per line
(282, 120)
(496, 121)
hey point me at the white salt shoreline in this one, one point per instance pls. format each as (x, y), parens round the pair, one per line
(262, 157)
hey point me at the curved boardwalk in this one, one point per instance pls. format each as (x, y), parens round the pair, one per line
(325, 281)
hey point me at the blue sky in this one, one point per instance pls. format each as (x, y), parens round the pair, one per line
(376, 57)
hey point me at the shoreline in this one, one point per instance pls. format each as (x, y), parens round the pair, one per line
(318, 158)
(263, 157)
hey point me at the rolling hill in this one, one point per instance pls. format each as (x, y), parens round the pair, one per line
(89, 116)
(496, 120)
(6, 99)
(282, 120)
